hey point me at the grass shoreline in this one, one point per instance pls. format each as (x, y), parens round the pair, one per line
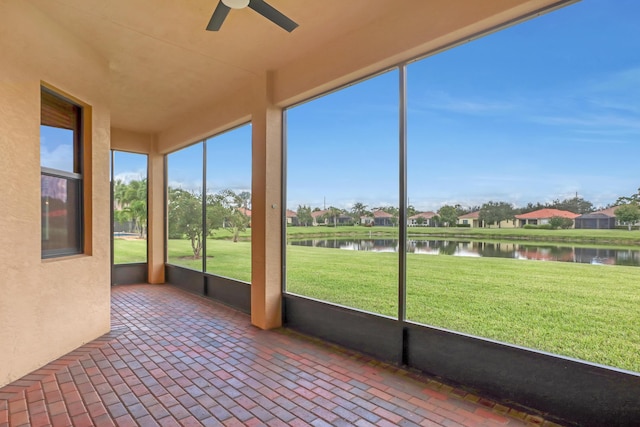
(615, 237)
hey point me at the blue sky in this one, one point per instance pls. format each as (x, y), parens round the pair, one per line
(539, 111)
(542, 110)
(129, 166)
(228, 163)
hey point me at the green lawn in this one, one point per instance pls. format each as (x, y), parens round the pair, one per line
(580, 310)
(129, 251)
(224, 257)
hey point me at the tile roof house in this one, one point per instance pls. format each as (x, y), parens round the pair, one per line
(542, 216)
(602, 219)
(383, 218)
(611, 212)
(320, 218)
(292, 217)
(595, 220)
(472, 220)
(426, 221)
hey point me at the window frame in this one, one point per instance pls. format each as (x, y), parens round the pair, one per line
(78, 177)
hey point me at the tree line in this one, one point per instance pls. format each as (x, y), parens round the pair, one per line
(490, 213)
(228, 210)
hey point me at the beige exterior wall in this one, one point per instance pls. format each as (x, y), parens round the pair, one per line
(47, 308)
(133, 142)
(473, 223)
(505, 224)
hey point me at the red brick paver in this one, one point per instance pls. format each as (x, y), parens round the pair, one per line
(176, 359)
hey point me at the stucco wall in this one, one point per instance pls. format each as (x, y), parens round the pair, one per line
(47, 308)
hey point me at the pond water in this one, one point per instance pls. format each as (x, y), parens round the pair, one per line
(546, 252)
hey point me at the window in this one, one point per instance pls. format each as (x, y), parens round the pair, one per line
(61, 180)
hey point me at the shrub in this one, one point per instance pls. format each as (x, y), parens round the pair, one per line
(556, 222)
(538, 227)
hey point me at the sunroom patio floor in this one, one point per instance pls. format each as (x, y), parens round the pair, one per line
(176, 359)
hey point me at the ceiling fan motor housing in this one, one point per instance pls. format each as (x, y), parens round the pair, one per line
(236, 4)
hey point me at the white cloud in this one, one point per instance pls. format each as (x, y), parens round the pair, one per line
(127, 177)
(59, 157)
(444, 101)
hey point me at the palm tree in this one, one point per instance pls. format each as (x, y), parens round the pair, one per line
(359, 210)
(334, 213)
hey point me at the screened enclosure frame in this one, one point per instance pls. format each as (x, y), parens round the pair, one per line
(227, 290)
(129, 272)
(461, 359)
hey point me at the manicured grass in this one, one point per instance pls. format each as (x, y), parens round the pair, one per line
(584, 311)
(224, 257)
(597, 237)
(129, 251)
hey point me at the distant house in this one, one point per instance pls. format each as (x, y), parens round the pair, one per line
(366, 220)
(382, 218)
(247, 213)
(542, 216)
(321, 218)
(472, 219)
(426, 221)
(345, 219)
(292, 217)
(602, 219)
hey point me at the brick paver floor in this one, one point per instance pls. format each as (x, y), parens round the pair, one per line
(176, 359)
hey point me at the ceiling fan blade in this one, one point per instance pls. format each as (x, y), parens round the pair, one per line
(272, 15)
(218, 17)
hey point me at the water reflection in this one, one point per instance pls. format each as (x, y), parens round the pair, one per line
(485, 249)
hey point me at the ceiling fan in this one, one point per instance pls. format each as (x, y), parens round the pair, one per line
(273, 15)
